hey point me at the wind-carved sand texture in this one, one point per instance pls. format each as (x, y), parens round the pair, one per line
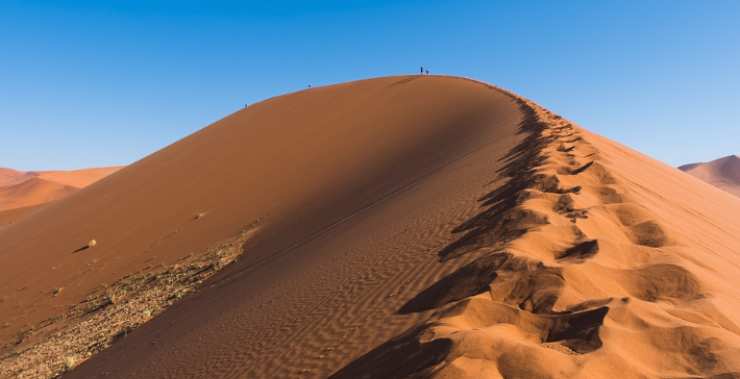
(63, 342)
(410, 227)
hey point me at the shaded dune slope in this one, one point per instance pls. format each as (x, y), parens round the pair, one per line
(407, 227)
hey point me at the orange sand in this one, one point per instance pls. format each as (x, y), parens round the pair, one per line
(25, 189)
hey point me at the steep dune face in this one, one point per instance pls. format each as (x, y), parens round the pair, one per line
(723, 173)
(394, 227)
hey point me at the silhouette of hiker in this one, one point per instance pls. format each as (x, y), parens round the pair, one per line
(421, 70)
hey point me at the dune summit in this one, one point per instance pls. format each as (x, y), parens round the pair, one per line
(723, 173)
(416, 226)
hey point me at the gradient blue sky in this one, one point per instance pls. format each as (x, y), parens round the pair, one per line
(92, 83)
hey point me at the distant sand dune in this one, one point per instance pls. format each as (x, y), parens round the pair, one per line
(416, 226)
(9, 176)
(723, 173)
(77, 178)
(24, 189)
(32, 191)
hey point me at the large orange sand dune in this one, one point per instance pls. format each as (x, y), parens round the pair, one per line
(392, 227)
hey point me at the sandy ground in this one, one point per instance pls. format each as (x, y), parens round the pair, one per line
(10, 216)
(723, 173)
(402, 226)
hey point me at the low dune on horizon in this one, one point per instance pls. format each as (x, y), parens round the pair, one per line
(722, 173)
(406, 226)
(21, 192)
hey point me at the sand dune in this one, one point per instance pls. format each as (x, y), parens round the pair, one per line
(25, 189)
(723, 173)
(393, 227)
(9, 176)
(32, 191)
(76, 178)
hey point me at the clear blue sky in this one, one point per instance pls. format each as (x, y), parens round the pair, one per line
(91, 83)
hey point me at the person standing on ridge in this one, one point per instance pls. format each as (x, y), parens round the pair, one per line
(421, 70)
